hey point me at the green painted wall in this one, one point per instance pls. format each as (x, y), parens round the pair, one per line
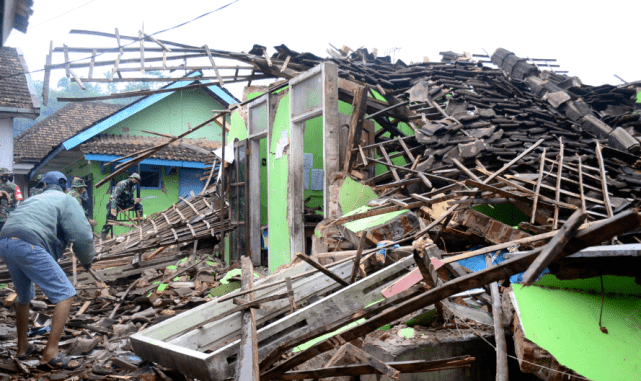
(565, 322)
(171, 115)
(279, 249)
(101, 195)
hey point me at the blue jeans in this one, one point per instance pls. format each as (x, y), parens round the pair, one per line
(29, 264)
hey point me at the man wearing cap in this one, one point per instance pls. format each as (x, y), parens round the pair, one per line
(78, 188)
(37, 189)
(8, 201)
(31, 242)
(122, 197)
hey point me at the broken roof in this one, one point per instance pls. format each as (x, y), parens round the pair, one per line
(17, 94)
(123, 145)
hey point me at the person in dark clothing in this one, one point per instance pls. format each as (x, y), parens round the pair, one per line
(31, 243)
(38, 187)
(122, 197)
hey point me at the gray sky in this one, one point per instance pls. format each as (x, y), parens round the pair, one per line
(591, 42)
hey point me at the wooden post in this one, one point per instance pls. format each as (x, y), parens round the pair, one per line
(581, 183)
(247, 364)
(538, 187)
(373, 362)
(355, 126)
(290, 294)
(554, 247)
(357, 259)
(45, 83)
(557, 198)
(499, 332)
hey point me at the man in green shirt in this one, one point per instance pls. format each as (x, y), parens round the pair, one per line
(31, 243)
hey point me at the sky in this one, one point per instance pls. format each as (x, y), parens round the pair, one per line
(591, 42)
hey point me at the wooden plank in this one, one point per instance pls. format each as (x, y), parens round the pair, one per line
(373, 362)
(66, 54)
(321, 268)
(375, 212)
(290, 294)
(213, 65)
(555, 246)
(557, 196)
(581, 184)
(357, 258)
(45, 83)
(355, 127)
(538, 187)
(463, 168)
(594, 235)
(77, 79)
(256, 303)
(84, 307)
(604, 180)
(499, 332)
(142, 52)
(407, 152)
(247, 364)
(416, 366)
(345, 306)
(389, 163)
(93, 60)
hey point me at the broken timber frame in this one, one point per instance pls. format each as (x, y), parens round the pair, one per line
(594, 235)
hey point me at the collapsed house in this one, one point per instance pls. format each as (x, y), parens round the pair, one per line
(399, 210)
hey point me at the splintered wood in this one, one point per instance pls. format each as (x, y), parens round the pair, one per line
(487, 157)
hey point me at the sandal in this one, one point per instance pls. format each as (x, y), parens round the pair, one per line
(28, 353)
(62, 362)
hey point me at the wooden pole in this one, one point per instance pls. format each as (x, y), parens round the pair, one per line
(499, 333)
(554, 247)
(322, 269)
(538, 187)
(357, 259)
(247, 364)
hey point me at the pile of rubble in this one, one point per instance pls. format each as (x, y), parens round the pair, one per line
(509, 171)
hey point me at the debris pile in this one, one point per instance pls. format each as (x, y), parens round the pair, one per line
(510, 172)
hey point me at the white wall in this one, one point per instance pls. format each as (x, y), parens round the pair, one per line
(6, 143)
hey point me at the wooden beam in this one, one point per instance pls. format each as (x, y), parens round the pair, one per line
(581, 184)
(45, 83)
(555, 246)
(355, 126)
(373, 362)
(603, 230)
(142, 51)
(538, 187)
(463, 168)
(213, 65)
(416, 366)
(66, 54)
(247, 364)
(93, 60)
(141, 93)
(290, 294)
(499, 332)
(604, 180)
(357, 258)
(322, 269)
(557, 196)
